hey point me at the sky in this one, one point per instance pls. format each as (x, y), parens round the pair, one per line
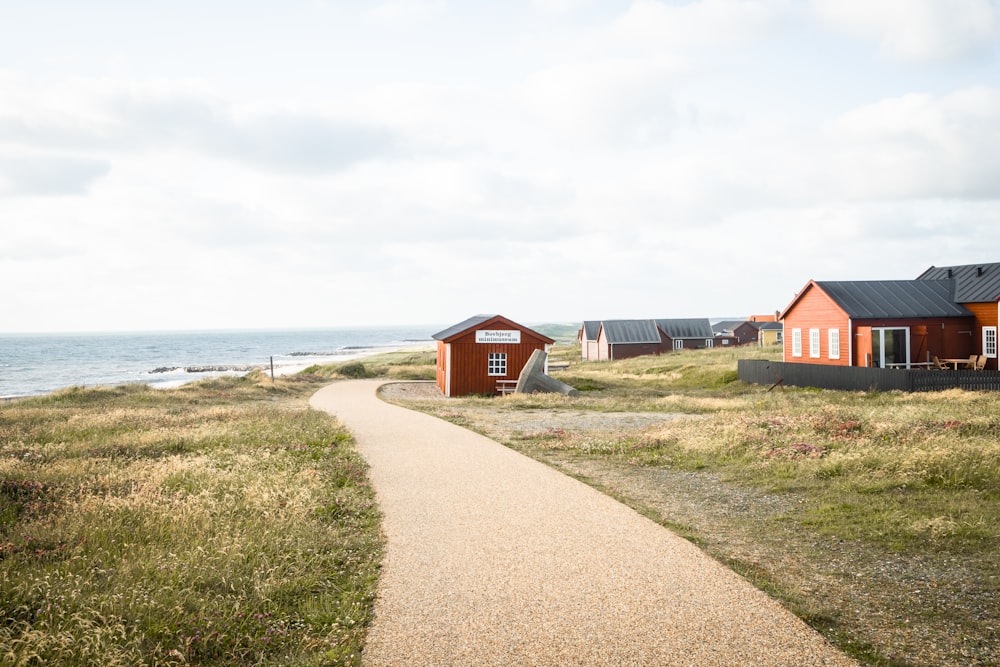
(213, 164)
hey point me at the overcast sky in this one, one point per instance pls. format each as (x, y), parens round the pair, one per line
(201, 164)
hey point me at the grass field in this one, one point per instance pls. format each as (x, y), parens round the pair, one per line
(872, 516)
(221, 523)
(225, 523)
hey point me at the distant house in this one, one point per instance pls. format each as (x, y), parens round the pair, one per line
(623, 339)
(587, 337)
(876, 323)
(478, 354)
(726, 327)
(688, 334)
(769, 333)
(740, 331)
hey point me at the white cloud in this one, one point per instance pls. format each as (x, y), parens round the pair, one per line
(703, 24)
(628, 103)
(406, 10)
(42, 174)
(920, 145)
(126, 118)
(918, 30)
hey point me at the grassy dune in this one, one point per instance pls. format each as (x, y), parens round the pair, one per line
(904, 470)
(221, 523)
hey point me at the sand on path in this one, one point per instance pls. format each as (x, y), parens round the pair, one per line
(495, 559)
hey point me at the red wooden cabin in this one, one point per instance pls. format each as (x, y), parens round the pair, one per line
(483, 354)
(894, 323)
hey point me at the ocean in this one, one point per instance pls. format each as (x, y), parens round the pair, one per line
(33, 364)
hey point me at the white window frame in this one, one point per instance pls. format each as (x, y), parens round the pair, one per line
(709, 342)
(814, 350)
(879, 355)
(496, 364)
(678, 343)
(796, 342)
(990, 342)
(833, 336)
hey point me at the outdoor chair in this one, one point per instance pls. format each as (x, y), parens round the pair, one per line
(938, 364)
(981, 362)
(971, 363)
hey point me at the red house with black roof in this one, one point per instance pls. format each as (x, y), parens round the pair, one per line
(882, 323)
(947, 312)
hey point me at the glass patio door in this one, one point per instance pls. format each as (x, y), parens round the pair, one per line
(890, 347)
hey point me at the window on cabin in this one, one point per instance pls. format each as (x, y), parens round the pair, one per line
(796, 342)
(814, 343)
(678, 344)
(834, 340)
(497, 363)
(990, 342)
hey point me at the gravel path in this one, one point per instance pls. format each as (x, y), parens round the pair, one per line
(495, 559)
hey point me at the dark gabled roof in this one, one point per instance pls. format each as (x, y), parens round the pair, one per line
(726, 325)
(769, 326)
(591, 329)
(886, 299)
(465, 325)
(631, 331)
(686, 328)
(974, 283)
(477, 320)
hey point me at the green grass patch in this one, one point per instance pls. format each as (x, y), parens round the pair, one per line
(220, 523)
(398, 365)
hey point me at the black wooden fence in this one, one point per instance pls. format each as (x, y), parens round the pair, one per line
(850, 378)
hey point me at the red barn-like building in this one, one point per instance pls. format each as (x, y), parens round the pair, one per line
(482, 353)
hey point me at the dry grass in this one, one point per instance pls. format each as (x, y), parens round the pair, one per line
(219, 523)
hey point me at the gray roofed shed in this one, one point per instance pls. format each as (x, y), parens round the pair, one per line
(887, 299)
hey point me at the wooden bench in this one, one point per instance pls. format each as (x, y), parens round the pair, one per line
(505, 387)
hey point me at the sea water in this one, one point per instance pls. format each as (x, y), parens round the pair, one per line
(32, 364)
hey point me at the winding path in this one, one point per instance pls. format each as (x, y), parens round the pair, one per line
(495, 559)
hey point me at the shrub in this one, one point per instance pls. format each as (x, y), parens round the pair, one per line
(354, 369)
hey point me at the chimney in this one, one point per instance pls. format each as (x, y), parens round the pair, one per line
(949, 273)
(979, 271)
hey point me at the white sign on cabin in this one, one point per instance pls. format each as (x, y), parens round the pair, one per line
(498, 336)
